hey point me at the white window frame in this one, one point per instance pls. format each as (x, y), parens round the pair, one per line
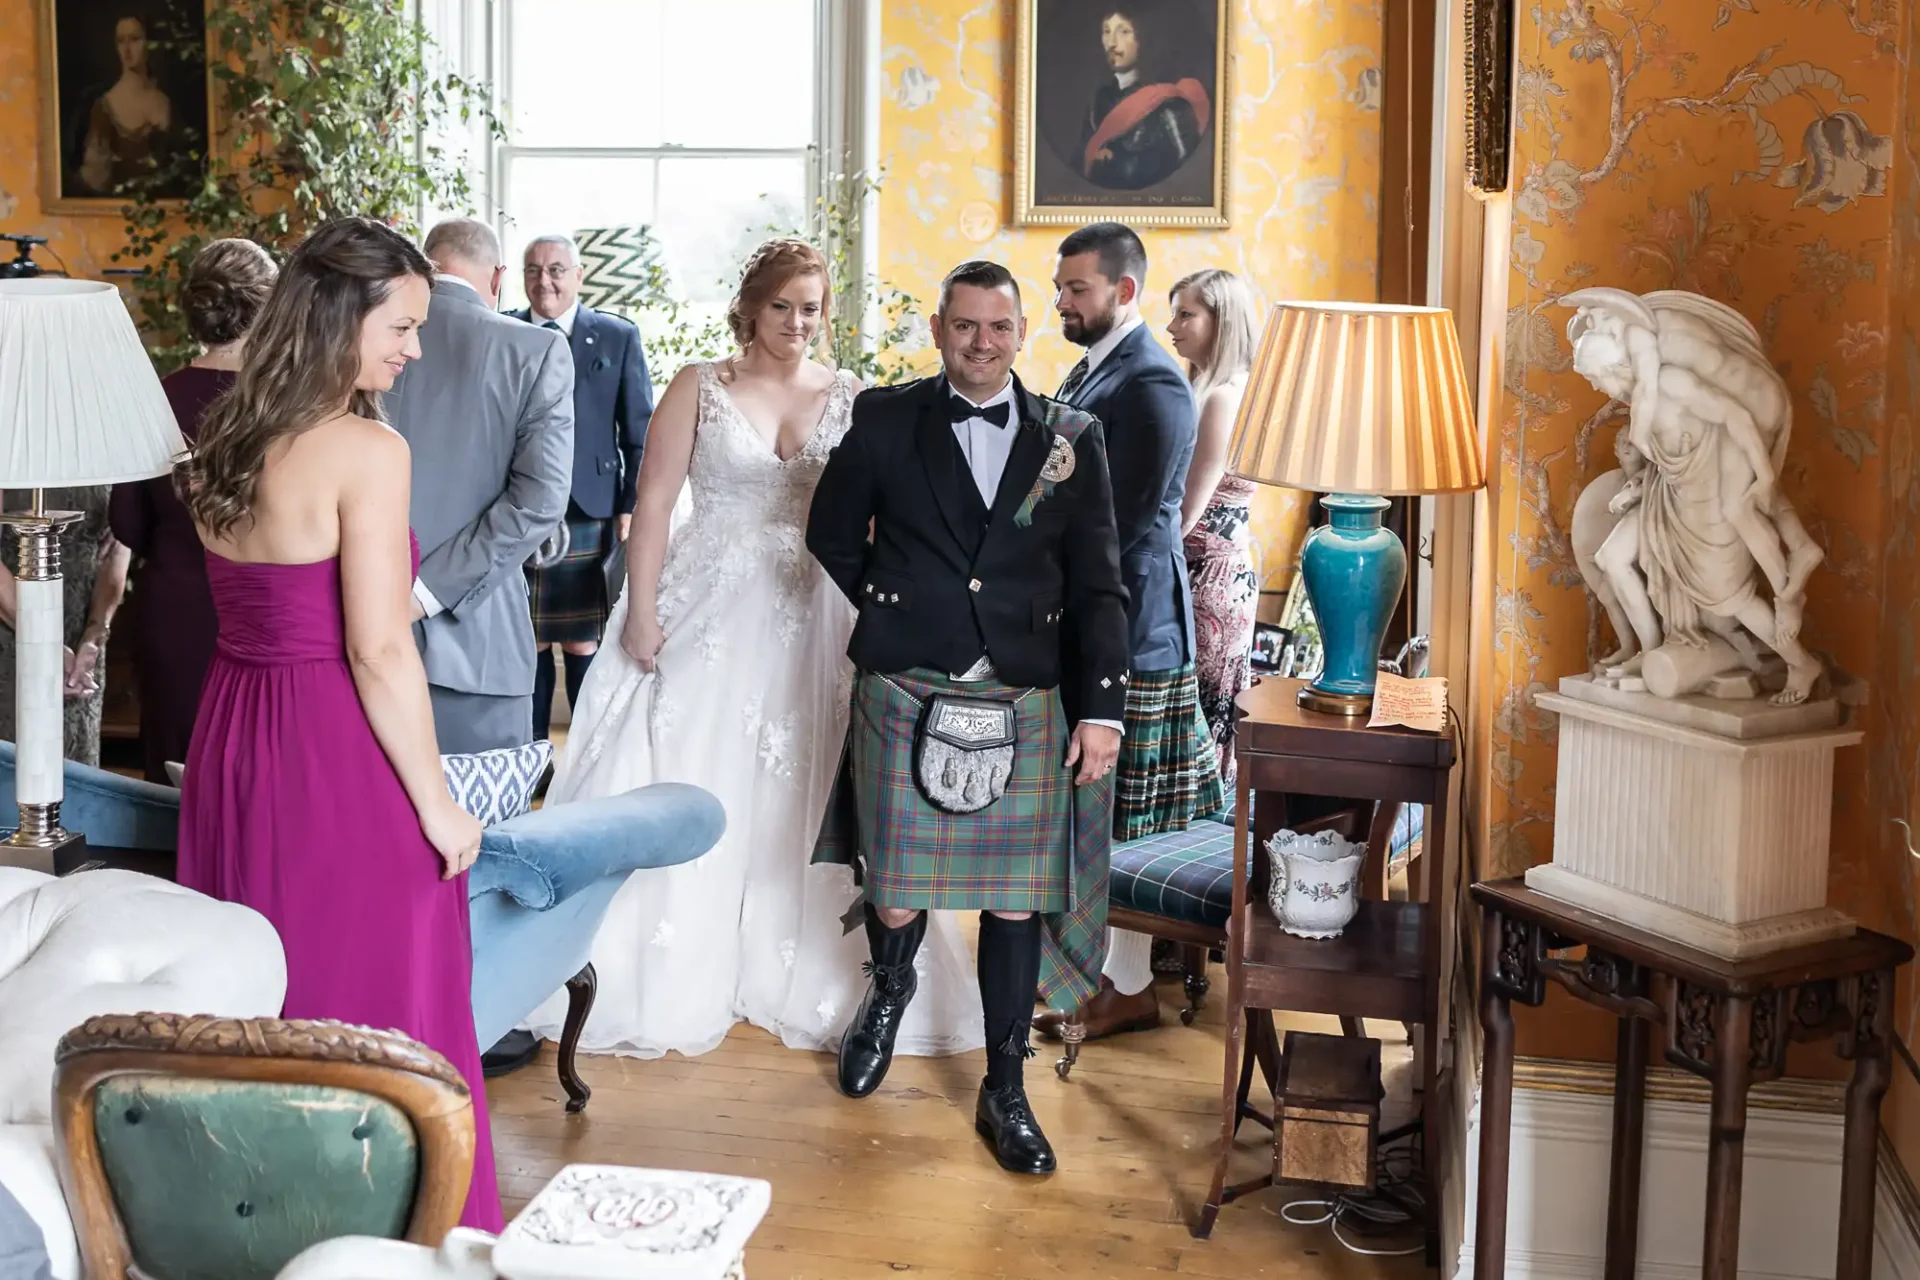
(472, 35)
(829, 23)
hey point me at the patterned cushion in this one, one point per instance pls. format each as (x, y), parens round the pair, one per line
(496, 785)
(1180, 875)
(491, 785)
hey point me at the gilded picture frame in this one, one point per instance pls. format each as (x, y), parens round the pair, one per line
(121, 82)
(1123, 111)
(1490, 73)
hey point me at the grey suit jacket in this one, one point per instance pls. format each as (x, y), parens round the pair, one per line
(488, 413)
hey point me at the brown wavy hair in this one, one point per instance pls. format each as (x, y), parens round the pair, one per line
(226, 286)
(303, 358)
(766, 274)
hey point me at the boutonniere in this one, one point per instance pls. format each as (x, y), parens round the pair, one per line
(1058, 467)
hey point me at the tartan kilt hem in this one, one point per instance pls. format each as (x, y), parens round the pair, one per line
(1168, 772)
(568, 599)
(1044, 846)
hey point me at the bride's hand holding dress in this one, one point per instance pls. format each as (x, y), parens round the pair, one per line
(731, 674)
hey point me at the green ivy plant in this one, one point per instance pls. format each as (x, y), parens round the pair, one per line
(323, 108)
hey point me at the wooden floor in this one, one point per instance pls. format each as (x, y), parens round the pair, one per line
(899, 1183)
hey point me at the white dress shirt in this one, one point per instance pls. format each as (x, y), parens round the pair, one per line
(565, 319)
(986, 448)
(1099, 351)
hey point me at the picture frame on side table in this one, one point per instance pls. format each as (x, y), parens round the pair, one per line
(125, 86)
(1123, 111)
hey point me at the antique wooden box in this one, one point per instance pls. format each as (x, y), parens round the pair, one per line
(1329, 1113)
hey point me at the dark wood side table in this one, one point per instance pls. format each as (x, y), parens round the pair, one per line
(1387, 963)
(1704, 1006)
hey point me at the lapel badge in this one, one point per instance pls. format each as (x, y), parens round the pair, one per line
(1059, 462)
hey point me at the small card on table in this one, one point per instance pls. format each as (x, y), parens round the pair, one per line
(1417, 704)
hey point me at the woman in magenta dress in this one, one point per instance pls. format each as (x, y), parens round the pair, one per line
(313, 790)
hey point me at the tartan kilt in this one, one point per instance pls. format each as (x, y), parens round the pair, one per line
(568, 598)
(1169, 773)
(1044, 846)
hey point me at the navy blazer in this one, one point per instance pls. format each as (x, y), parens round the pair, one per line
(1146, 410)
(612, 403)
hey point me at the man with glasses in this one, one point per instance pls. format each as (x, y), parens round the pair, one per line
(612, 401)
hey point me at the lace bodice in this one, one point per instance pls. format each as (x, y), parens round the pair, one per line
(749, 505)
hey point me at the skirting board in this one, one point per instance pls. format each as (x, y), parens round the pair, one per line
(1562, 1138)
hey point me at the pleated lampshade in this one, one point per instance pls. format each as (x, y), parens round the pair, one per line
(1362, 398)
(80, 403)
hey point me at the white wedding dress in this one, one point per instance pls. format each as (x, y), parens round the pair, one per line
(749, 700)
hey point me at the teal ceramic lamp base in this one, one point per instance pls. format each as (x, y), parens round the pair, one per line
(1354, 571)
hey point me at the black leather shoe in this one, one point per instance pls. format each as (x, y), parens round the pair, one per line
(867, 1050)
(513, 1051)
(1004, 1118)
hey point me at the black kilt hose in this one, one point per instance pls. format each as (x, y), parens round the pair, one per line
(1042, 847)
(568, 598)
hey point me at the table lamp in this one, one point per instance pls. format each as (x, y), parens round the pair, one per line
(80, 405)
(1360, 402)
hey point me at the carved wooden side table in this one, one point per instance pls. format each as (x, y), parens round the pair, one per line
(1703, 1005)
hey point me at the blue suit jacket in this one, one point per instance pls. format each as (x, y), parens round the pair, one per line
(1141, 397)
(612, 403)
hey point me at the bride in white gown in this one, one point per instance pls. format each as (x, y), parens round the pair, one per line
(742, 688)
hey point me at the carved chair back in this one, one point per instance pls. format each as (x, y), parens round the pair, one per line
(197, 1146)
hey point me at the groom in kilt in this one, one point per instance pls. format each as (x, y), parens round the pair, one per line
(971, 523)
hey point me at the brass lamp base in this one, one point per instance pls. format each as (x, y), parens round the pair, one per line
(1350, 705)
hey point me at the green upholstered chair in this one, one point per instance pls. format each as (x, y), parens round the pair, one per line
(195, 1147)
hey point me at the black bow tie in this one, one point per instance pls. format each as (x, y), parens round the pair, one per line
(961, 410)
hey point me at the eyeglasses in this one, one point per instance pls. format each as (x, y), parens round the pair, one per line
(555, 272)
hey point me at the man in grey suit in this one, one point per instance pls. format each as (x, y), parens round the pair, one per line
(488, 411)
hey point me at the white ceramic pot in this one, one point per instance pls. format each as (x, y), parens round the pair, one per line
(1315, 887)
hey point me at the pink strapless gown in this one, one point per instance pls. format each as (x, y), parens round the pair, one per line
(291, 807)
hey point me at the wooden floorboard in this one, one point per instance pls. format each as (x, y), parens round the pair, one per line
(899, 1184)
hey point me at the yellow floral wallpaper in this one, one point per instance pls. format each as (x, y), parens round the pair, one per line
(1762, 154)
(86, 243)
(1306, 176)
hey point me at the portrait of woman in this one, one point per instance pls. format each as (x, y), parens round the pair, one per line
(129, 99)
(1120, 108)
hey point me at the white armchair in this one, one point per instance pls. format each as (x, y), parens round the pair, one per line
(106, 942)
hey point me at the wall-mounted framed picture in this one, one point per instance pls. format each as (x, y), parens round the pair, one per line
(124, 93)
(1122, 110)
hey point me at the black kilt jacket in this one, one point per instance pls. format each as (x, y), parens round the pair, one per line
(1032, 582)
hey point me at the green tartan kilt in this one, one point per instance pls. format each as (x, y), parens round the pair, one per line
(1044, 846)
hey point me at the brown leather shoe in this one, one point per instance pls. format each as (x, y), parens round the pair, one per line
(1108, 1014)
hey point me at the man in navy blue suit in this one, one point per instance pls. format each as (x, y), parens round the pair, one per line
(1168, 774)
(612, 401)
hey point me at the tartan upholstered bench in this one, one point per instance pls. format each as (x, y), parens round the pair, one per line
(1177, 885)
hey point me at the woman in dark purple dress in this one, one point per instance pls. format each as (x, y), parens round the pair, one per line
(314, 792)
(174, 624)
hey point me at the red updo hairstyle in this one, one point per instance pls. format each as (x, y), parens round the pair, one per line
(767, 272)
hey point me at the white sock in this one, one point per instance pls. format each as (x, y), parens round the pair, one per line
(1129, 961)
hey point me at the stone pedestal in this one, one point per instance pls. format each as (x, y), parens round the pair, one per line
(1699, 819)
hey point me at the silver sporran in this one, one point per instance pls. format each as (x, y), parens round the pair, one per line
(963, 753)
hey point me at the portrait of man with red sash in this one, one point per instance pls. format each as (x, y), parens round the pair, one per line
(1139, 130)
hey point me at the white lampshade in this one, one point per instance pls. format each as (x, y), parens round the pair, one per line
(80, 403)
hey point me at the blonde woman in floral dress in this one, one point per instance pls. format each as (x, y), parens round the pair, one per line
(1214, 328)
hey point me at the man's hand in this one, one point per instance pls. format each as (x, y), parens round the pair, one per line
(623, 525)
(1094, 748)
